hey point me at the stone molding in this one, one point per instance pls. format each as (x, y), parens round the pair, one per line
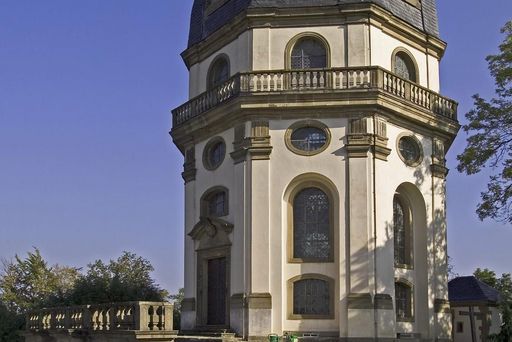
(438, 167)
(237, 301)
(439, 171)
(360, 141)
(188, 304)
(256, 146)
(360, 301)
(189, 167)
(211, 233)
(383, 301)
(442, 305)
(259, 301)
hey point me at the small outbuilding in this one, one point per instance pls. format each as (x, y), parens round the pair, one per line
(475, 309)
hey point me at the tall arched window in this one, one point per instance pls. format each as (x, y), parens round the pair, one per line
(219, 72)
(402, 233)
(312, 237)
(308, 53)
(404, 66)
(403, 301)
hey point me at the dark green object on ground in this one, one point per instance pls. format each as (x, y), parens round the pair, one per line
(273, 338)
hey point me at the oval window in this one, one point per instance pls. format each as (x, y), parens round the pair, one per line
(410, 150)
(307, 138)
(214, 153)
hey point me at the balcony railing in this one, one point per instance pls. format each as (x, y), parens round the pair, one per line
(336, 79)
(136, 316)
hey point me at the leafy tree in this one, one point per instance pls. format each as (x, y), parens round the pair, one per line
(504, 286)
(489, 144)
(30, 283)
(177, 300)
(10, 324)
(126, 279)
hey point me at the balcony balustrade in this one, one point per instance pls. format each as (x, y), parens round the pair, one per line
(130, 316)
(314, 80)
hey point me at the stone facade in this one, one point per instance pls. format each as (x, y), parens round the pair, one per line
(366, 113)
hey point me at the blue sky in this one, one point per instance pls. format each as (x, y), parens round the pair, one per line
(87, 168)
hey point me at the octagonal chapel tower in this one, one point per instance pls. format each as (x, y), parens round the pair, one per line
(314, 144)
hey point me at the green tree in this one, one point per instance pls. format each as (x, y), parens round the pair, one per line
(504, 286)
(30, 283)
(177, 299)
(10, 324)
(489, 144)
(126, 279)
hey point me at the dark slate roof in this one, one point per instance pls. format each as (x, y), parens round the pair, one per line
(462, 289)
(201, 27)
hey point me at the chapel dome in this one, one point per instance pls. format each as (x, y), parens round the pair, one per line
(202, 24)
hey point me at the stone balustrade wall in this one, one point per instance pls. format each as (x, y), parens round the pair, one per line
(130, 316)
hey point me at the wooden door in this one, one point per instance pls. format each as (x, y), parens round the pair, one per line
(216, 302)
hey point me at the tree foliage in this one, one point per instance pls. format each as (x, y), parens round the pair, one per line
(30, 283)
(489, 144)
(504, 286)
(126, 279)
(177, 299)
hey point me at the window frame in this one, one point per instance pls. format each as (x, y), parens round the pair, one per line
(207, 150)
(290, 302)
(411, 136)
(291, 229)
(409, 232)
(405, 283)
(303, 124)
(209, 75)
(208, 196)
(306, 35)
(412, 61)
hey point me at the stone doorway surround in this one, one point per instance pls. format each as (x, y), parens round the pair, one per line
(212, 242)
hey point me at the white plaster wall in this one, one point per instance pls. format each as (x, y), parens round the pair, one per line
(239, 52)
(389, 176)
(466, 334)
(382, 47)
(269, 45)
(285, 166)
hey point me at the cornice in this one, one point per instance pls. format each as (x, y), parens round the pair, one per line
(313, 105)
(315, 16)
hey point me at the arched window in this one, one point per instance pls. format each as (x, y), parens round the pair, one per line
(214, 203)
(402, 233)
(219, 72)
(312, 237)
(404, 66)
(403, 301)
(308, 53)
(311, 296)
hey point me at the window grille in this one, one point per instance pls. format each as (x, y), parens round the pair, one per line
(311, 225)
(400, 234)
(308, 53)
(404, 67)
(403, 301)
(311, 297)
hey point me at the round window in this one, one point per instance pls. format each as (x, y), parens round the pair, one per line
(214, 153)
(410, 150)
(307, 138)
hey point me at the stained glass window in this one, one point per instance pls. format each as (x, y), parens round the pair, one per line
(400, 233)
(311, 225)
(403, 301)
(308, 53)
(311, 297)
